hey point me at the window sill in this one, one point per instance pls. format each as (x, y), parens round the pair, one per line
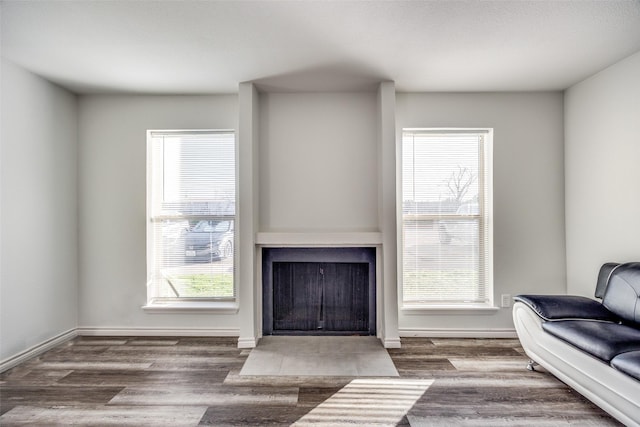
(449, 309)
(191, 307)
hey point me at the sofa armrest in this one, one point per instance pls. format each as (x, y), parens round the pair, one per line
(556, 307)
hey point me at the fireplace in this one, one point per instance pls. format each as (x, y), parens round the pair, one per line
(319, 291)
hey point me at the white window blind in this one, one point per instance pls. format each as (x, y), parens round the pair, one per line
(446, 208)
(191, 208)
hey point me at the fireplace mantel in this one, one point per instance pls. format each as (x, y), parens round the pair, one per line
(301, 239)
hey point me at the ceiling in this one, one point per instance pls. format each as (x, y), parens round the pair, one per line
(203, 47)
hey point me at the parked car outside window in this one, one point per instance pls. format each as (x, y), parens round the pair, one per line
(209, 240)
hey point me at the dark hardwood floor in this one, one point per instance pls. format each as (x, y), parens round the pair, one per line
(195, 381)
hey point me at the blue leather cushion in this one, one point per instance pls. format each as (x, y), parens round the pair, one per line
(622, 296)
(603, 340)
(629, 363)
(551, 307)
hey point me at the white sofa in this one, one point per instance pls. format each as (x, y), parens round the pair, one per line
(614, 391)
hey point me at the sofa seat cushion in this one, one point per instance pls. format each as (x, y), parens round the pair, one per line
(629, 363)
(603, 340)
(551, 307)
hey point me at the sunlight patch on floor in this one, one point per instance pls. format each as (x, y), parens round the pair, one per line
(379, 402)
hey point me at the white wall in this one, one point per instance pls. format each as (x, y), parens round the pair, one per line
(387, 215)
(602, 167)
(318, 162)
(529, 246)
(39, 282)
(247, 265)
(112, 195)
(319, 171)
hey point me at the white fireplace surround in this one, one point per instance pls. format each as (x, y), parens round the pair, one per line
(266, 217)
(386, 316)
(327, 240)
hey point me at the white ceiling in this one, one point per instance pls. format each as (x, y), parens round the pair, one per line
(189, 47)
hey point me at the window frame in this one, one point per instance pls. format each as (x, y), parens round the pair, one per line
(154, 303)
(485, 214)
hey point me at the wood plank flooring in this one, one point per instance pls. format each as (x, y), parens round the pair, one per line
(190, 381)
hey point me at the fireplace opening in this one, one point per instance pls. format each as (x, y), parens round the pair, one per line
(319, 291)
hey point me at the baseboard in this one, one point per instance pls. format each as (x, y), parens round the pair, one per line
(391, 343)
(37, 349)
(159, 332)
(457, 333)
(247, 342)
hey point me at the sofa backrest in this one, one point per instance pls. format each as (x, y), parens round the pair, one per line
(603, 277)
(622, 296)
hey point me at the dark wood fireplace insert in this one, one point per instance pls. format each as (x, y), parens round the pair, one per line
(319, 291)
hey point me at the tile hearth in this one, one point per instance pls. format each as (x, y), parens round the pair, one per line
(350, 356)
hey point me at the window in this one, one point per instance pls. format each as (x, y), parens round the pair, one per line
(446, 217)
(191, 216)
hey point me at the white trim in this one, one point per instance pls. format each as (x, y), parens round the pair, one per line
(174, 132)
(153, 168)
(37, 349)
(247, 342)
(486, 188)
(449, 309)
(458, 333)
(319, 239)
(391, 343)
(447, 130)
(159, 332)
(191, 307)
